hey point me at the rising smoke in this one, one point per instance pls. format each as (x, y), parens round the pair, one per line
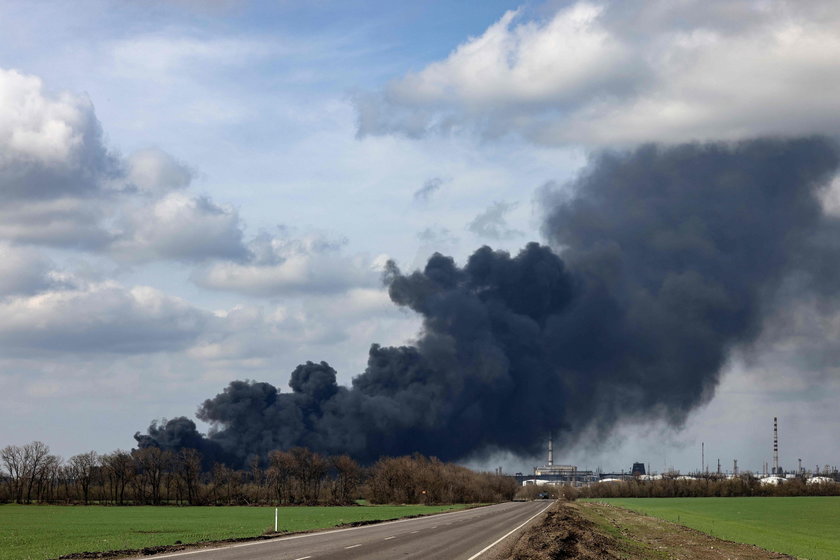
(661, 261)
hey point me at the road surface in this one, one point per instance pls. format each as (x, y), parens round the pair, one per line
(464, 535)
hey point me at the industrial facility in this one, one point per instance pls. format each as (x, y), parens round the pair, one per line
(770, 474)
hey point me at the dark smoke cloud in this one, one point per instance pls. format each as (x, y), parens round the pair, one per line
(671, 257)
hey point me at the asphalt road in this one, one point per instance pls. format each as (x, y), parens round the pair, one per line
(464, 535)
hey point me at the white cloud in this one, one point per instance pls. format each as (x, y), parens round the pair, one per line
(158, 54)
(51, 160)
(68, 191)
(58, 222)
(154, 171)
(57, 178)
(283, 265)
(36, 128)
(99, 318)
(601, 74)
(23, 271)
(180, 227)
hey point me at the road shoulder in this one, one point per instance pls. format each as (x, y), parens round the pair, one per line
(592, 531)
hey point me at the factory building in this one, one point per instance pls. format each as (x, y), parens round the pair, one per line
(560, 475)
(570, 475)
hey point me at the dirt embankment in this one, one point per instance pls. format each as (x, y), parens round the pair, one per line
(596, 531)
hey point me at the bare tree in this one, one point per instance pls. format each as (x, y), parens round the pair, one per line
(152, 463)
(12, 457)
(119, 470)
(347, 477)
(189, 470)
(81, 469)
(309, 469)
(281, 467)
(49, 478)
(226, 483)
(35, 456)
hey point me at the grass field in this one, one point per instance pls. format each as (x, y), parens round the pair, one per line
(806, 527)
(43, 532)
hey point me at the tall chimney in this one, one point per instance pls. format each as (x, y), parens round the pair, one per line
(775, 447)
(550, 450)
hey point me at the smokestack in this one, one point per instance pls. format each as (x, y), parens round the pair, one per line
(775, 447)
(550, 449)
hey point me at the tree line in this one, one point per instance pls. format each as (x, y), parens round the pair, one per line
(712, 486)
(298, 476)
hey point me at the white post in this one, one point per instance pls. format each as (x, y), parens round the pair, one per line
(275, 520)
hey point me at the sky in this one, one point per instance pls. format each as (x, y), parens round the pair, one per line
(195, 192)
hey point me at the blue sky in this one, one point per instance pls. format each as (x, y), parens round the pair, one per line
(305, 134)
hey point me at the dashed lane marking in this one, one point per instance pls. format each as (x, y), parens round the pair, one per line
(389, 538)
(352, 546)
(301, 536)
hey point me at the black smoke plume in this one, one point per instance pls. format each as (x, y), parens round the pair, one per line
(661, 261)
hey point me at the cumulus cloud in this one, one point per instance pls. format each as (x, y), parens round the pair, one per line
(283, 265)
(492, 223)
(23, 272)
(101, 317)
(61, 187)
(180, 227)
(65, 222)
(57, 179)
(50, 145)
(154, 171)
(617, 73)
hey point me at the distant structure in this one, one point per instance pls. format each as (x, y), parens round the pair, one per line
(562, 475)
(550, 450)
(638, 469)
(776, 447)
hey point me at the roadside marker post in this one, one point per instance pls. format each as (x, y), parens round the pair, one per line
(275, 520)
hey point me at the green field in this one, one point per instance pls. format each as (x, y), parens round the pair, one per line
(42, 532)
(806, 527)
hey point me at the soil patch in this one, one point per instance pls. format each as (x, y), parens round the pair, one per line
(590, 531)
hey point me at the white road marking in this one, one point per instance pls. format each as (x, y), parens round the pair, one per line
(414, 532)
(303, 536)
(389, 538)
(352, 546)
(303, 558)
(488, 547)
